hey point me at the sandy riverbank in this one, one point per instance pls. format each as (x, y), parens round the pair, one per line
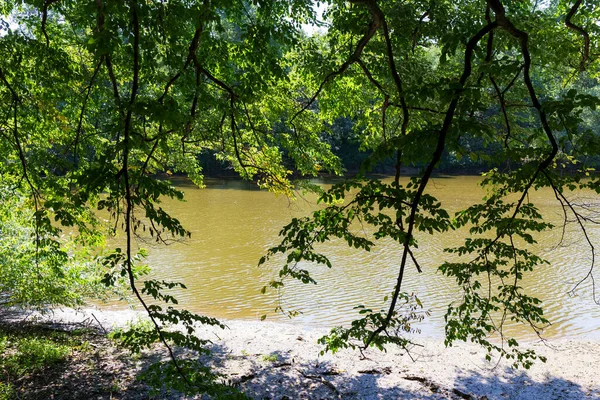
(281, 361)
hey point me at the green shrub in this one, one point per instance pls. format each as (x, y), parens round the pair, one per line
(7, 391)
(54, 271)
(31, 354)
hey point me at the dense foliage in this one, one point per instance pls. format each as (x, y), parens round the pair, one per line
(61, 274)
(100, 96)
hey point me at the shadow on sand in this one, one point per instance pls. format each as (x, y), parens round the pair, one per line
(279, 376)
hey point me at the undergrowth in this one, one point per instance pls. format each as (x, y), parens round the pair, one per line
(30, 350)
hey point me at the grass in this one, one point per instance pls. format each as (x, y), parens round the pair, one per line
(33, 354)
(7, 391)
(273, 357)
(28, 351)
(39, 362)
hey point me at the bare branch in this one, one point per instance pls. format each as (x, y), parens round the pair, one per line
(565, 203)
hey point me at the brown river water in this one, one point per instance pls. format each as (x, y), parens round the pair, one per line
(233, 224)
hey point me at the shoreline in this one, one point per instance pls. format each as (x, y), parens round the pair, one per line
(278, 360)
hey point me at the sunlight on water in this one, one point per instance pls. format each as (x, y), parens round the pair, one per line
(233, 225)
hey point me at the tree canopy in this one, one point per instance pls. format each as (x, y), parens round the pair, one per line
(100, 97)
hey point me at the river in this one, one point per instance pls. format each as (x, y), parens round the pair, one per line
(233, 224)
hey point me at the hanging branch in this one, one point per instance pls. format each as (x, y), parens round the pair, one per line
(437, 155)
(416, 30)
(378, 14)
(233, 97)
(152, 150)
(111, 74)
(523, 39)
(371, 79)
(101, 17)
(126, 178)
(512, 82)
(188, 126)
(234, 129)
(377, 21)
(488, 59)
(193, 58)
(374, 25)
(126, 140)
(489, 48)
(113, 81)
(586, 36)
(34, 191)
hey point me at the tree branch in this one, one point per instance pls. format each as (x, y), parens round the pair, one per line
(47, 4)
(83, 107)
(503, 108)
(191, 55)
(372, 29)
(386, 97)
(565, 203)
(429, 170)
(586, 36)
(23, 160)
(523, 39)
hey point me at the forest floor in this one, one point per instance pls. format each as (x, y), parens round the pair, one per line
(279, 361)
